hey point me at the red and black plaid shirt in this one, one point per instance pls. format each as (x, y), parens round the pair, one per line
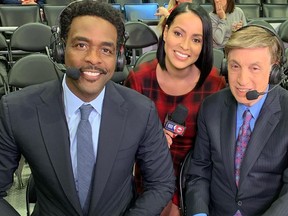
(144, 81)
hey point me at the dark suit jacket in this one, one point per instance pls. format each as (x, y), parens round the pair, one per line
(33, 123)
(263, 181)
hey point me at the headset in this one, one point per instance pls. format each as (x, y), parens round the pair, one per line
(57, 46)
(278, 71)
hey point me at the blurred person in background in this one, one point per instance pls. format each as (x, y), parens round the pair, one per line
(24, 2)
(165, 12)
(225, 18)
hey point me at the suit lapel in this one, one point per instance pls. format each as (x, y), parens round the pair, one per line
(114, 115)
(227, 138)
(264, 127)
(53, 125)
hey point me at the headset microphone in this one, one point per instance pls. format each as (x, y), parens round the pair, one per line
(253, 94)
(73, 73)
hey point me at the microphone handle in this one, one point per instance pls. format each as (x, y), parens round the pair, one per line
(73, 73)
(254, 94)
(262, 93)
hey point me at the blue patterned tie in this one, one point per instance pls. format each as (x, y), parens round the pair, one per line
(85, 154)
(241, 145)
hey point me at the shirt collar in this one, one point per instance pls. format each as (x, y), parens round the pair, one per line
(72, 102)
(255, 108)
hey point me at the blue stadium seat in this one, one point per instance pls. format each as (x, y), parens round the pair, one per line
(117, 6)
(144, 11)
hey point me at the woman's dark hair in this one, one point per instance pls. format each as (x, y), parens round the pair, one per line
(230, 6)
(205, 61)
(92, 8)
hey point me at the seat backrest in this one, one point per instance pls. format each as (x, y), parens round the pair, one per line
(122, 2)
(4, 89)
(4, 48)
(33, 37)
(145, 57)
(29, 38)
(261, 22)
(51, 13)
(283, 31)
(3, 42)
(218, 56)
(140, 35)
(162, 2)
(275, 10)
(117, 6)
(182, 181)
(207, 7)
(276, 1)
(3, 65)
(31, 197)
(32, 69)
(248, 2)
(120, 76)
(17, 15)
(58, 2)
(144, 11)
(251, 11)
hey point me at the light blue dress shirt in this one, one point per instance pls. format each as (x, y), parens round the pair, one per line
(255, 110)
(72, 104)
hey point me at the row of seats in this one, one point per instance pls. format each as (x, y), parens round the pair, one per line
(261, 1)
(161, 2)
(25, 61)
(53, 2)
(35, 37)
(48, 14)
(146, 10)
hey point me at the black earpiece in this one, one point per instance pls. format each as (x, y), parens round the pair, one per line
(278, 70)
(57, 46)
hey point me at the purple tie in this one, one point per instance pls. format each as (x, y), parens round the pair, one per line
(241, 144)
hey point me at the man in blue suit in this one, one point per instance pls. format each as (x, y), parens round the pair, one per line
(41, 121)
(248, 175)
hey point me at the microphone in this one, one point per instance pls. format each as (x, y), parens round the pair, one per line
(254, 94)
(73, 73)
(176, 121)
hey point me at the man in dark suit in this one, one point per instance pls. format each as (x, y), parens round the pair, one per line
(248, 175)
(41, 121)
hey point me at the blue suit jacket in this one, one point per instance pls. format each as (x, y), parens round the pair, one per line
(33, 123)
(263, 185)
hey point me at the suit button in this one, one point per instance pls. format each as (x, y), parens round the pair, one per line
(239, 203)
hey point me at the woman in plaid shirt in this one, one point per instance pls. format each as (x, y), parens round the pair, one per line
(183, 73)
